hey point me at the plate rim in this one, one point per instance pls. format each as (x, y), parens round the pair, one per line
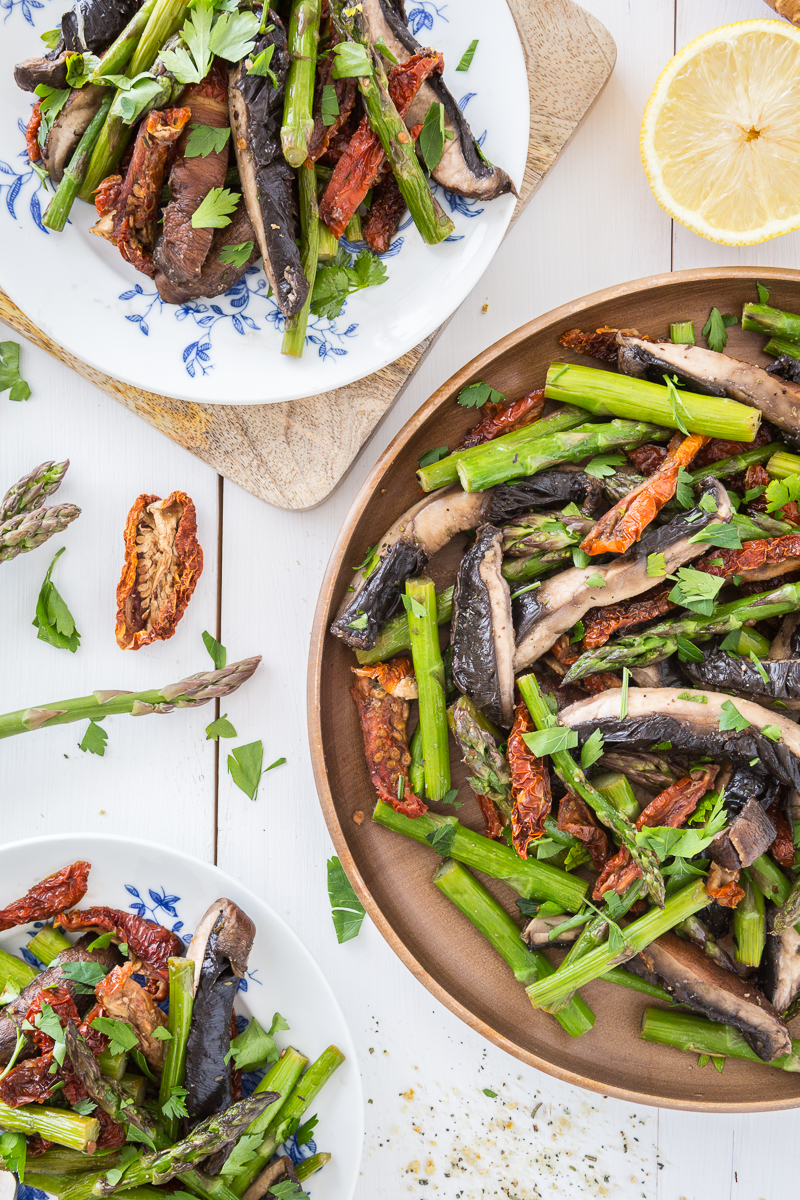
(65, 839)
(319, 631)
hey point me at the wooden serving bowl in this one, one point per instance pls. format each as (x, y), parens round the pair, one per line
(392, 874)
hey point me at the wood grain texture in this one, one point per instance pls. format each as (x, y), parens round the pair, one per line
(393, 874)
(294, 455)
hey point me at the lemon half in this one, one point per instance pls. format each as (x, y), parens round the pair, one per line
(720, 136)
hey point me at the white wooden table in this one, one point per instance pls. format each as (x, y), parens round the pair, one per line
(430, 1128)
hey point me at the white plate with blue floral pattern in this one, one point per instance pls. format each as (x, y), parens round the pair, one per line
(78, 290)
(175, 890)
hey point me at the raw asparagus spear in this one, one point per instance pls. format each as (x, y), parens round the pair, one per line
(698, 1035)
(27, 530)
(58, 209)
(28, 492)
(749, 925)
(394, 637)
(309, 1166)
(423, 633)
(777, 346)
(572, 775)
(782, 464)
(188, 693)
(763, 319)
(297, 119)
(682, 333)
(789, 911)
(181, 999)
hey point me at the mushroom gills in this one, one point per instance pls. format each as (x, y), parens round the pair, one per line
(779, 973)
(482, 630)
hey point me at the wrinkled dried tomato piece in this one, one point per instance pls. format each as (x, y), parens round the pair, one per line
(32, 133)
(151, 944)
(386, 211)
(95, 1040)
(346, 91)
(530, 785)
(60, 1000)
(60, 890)
(163, 562)
(602, 344)
(722, 885)
(106, 199)
(497, 419)
(719, 448)
(395, 677)
(575, 817)
(600, 623)
(493, 818)
(29, 1082)
(648, 458)
(37, 1145)
(619, 528)
(782, 849)
(763, 552)
(384, 721)
(112, 1134)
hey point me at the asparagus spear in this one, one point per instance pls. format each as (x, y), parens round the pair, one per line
(777, 346)
(118, 55)
(280, 1079)
(187, 693)
(770, 880)
(499, 463)
(394, 638)
(47, 943)
(604, 393)
(572, 775)
(28, 492)
(763, 319)
(294, 334)
(544, 531)
(416, 768)
(489, 916)
(58, 1160)
(297, 119)
(445, 471)
(660, 641)
(58, 209)
(58, 1125)
(736, 463)
(181, 1000)
(107, 1093)
(789, 911)
(309, 1166)
(15, 970)
(682, 333)
(386, 122)
(616, 788)
(782, 464)
(638, 935)
(523, 570)
(698, 1035)
(27, 530)
(423, 633)
(748, 924)
(489, 773)
(527, 877)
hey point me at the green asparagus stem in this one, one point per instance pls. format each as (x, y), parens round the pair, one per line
(281, 1079)
(762, 319)
(778, 346)
(492, 920)
(519, 571)
(188, 693)
(394, 638)
(28, 492)
(119, 53)
(27, 530)
(423, 633)
(572, 775)
(59, 208)
(353, 232)
(445, 471)
(544, 531)
(789, 913)
(698, 1035)
(181, 1000)
(605, 393)
(58, 1125)
(58, 1160)
(47, 943)
(15, 970)
(682, 332)
(297, 119)
(294, 334)
(527, 877)
(748, 924)
(385, 121)
(66, 1185)
(638, 935)
(328, 243)
(134, 1086)
(660, 641)
(113, 1066)
(501, 463)
(309, 1166)
(617, 789)
(489, 773)
(736, 463)
(416, 770)
(770, 880)
(290, 1115)
(626, 979)
(782, 464)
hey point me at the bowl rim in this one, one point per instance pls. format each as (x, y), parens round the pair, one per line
(319, 632)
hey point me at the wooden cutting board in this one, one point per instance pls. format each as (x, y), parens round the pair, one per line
(294, 455)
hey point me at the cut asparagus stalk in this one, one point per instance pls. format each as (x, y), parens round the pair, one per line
(604, 393)
(309, 1166)
(501, 463)
(594, 933)
(782, 464)
(736, 463)
(47, 943)
(698, 1035)
(328, 244)
(762, 319)
(297, 119)
(529, 878)
(617, 788)
(416, 769)
(134, 1086)
(573, 777)
(777, 346)
(181, 1001)
(492, 920)
(682, 332)
(27, 493)
(354, 232)
(748, 924)
(188, 693)
(119, 53)
(522, 570)
(59, 208)
(394, 638)
(58, 1160)
(113, 1066)
(294, 336)
(638, 935)
(789, 911)
(423, 634)
(28, 530)
(634, 983)
(749, 640)
(15, 970)
(281, 1078)
(445, 471)
(58, 1125)
(386, 122)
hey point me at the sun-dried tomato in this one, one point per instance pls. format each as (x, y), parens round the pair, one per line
(530, 785)
(60, 890)
(670, 808)
(602, 344)
(384, 724)
(112, 1134)
(125, 1000)
(60, 1000)
(600, 623)
(493, 818)
(32, 133)
(648, 458)
(386, 212)
(722, 885)
(758, 476)
(497, 419)
(148, 943)
(782, 848)
(30, 1082)
(759, 553)
(575, 817)
(37, 1145)
(621, 525)
(395, 677)
(163, 562)
(95, 1040)
(106, 199)
(346, 91)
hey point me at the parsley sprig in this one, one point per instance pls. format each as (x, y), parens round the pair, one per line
(339, 279)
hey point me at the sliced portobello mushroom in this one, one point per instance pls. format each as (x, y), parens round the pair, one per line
(536, 934)
(219, 950)
(482, 630)
(694, 979)
(562, 600)
(94, 24)
(742, 676)
(69, 127)
(462, 168)
(216, 276)
(268, 182)
(786, 643)
(549, 489)
(743, 784)
(750, 834)
(31, 72)
(779, 973)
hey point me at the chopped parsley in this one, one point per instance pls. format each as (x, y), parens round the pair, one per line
(603, 465)
(94, 739)
(10, 378)
(683, 490)
(763, 292)
(731, 718)
(347, 910)
(236, 256)
(591, 750)
(466, 58)
(330, 105)
(221, 728)
(245, 765)
(122, 1036)
(715, 330)
(341, 277)
(550, 741)
(596, 581)
(53, 619)
(219, 655)
(215, 208)
(432, 136)
(433, 456)
(656, 565)
(696, 590)
(206, 139)
(676, 404)
(718, 533)
(475, 395)
(352, 60)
